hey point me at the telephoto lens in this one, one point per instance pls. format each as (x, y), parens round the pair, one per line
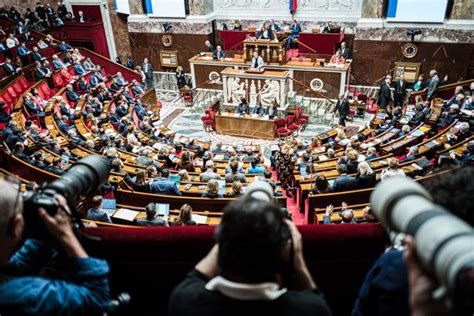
(444, 243)
(84, 178)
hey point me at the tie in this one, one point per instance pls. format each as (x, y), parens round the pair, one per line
(255, 63)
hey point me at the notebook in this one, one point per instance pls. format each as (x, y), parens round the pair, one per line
(126, 215)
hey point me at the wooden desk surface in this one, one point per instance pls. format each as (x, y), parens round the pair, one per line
(246, 126)
(266, 73)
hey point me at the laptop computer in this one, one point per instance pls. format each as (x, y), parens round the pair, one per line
(109, 206)
(175, 178)
(222, 186)
(162, 209)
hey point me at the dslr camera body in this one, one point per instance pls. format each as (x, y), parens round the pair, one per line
(84, 177)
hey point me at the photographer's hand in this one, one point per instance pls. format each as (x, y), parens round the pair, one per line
(421, 285)
(302, 278)
(208, 265)
(59, 226)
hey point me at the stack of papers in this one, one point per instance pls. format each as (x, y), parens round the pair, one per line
(126, 215)
(199, 219)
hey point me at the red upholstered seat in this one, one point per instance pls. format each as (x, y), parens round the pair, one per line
(58, 81)
(12, 93)
(280, 126)
(24, 83)
(17, 87)
(210, 121)
(292, 126)
(373, 107)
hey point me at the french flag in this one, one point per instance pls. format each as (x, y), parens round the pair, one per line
(293, 6)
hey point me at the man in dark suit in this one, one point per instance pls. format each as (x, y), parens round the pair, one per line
(400, 91)
(72, 95)
(244, 107)
(345, 51)
(36, 55)
(343, 182)
(148, 71)
(10, 69)
(137, 88)
(30, 106)
(385, 95)
(81, 18)
(218, 53)
(209, 47)
(432, 88)
(140, 110)
(342, 107)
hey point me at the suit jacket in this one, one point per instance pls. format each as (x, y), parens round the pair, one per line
(147, 70)
(72, 96)
(157, 221)
(31, 107)
(165, 186)
(296, 29)
(400, 88)
(9, 69)
(23, 51)
(244, 108)
(210, 49)
(138, 89)
(98, 215)
(433, 86)
(64, 47)
(79, 69)
(257, 62)
(58, 64)
(93, 80)
(346, 53)
(385, 95)
(36, 56)
(218, 55)
(344, 183)
(40, 73)
(342, 107)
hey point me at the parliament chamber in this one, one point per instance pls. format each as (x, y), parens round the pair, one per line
(160, 125)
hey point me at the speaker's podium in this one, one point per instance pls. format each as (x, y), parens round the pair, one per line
(271, 51)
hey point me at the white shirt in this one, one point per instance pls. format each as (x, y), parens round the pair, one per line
(12, 42)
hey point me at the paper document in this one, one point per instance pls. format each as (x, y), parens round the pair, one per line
(126, 215)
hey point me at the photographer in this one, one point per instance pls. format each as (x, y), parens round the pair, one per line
(256, 266)
(23, 289)
(385, 290)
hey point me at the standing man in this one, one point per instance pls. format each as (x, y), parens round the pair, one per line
(342, 107)
(295, 29)
(432, 85)
(385, 95)
(148, 71)
(257, 61)
(400, 91)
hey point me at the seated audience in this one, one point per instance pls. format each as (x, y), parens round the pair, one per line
(164, 185)
(151, 218)
(185, 217)
(392, 170)
(212, 190)
(343, 182)
(95, 213)
(209, 174)
(366, 177)
(255, 167)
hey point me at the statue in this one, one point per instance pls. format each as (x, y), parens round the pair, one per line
(236, 89)
(253, 92)
(270, 93)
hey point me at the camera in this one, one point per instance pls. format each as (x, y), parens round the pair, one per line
(413, 33)
(83, 178)
(444, 243)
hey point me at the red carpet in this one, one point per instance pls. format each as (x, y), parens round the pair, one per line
(298, 218)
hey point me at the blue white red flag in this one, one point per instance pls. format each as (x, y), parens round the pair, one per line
(293, 6)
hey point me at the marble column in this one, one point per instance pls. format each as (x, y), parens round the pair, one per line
(372, 9)
(119, 25)
(200, 7)
(462, 10)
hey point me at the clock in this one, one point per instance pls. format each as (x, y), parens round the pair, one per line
(167, 40)
(409, 50)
